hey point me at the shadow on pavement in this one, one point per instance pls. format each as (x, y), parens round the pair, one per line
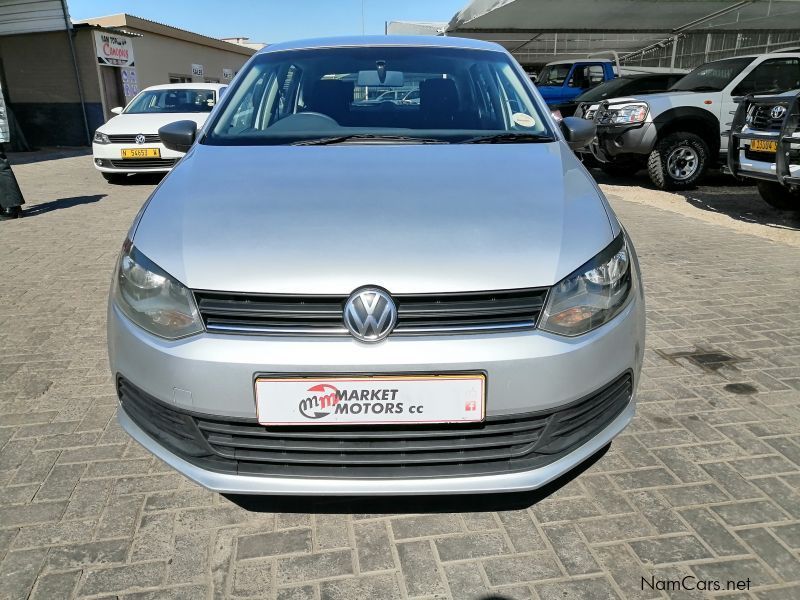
(719, 193)
(142, 179)
(454, 503)
(45, 154)
(31, 210)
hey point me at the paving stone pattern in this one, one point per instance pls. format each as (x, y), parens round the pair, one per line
(703, 484)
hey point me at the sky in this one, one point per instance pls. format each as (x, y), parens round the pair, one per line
(272, 21)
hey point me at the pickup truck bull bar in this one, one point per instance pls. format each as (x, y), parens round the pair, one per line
(784, 139)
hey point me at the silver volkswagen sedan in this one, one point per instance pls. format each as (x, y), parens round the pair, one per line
(334, 293)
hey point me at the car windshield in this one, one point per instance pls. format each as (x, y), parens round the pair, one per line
(394, 94)
(554, 74)
(713, 76)
(609, 89)
(173, 100)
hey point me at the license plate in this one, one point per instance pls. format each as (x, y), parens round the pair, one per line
(763, 146)
(141, 153)
(370, 400)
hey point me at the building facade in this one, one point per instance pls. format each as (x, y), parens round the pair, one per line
(62, 85)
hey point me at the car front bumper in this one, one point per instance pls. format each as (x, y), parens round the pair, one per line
(526, 372)
(612, 141)
(107, 158)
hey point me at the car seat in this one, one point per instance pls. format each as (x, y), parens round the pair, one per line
(331, 97)
(438, 103)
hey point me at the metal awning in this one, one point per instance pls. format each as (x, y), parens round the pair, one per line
(538, 30)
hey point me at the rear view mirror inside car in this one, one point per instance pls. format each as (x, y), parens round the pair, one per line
(373, 78)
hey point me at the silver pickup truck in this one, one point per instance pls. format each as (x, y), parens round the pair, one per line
(677, 135)
(765, 146)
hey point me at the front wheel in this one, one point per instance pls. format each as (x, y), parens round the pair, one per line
(778, 196)
(678, 161)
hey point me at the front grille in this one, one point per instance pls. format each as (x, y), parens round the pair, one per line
(499, 445)
(144, 163)
(130, 138)
(761, 120)
(422, 314)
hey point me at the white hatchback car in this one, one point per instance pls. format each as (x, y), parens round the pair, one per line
(129, 142)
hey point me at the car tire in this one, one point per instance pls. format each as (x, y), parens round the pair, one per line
(678, 161)
(115, 178)
(778, 196)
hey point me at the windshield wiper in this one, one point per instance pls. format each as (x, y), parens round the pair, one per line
(339, 139)
(510, 138)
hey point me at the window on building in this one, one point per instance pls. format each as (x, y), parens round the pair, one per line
(179, 78)
(211, 80)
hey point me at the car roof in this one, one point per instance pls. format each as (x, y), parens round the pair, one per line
(568, 61)
(420, 41)
(186, 86)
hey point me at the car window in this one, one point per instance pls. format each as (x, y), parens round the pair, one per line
(448, 94)
(554, 74)
(586, 76)
(178, 100)
(713, 76)
(773, 75)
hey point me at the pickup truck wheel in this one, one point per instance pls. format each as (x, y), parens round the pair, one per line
(678, 161)
(778, 196)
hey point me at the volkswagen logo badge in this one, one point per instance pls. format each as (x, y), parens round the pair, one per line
(777, 112)
(140, 139)
(370, 314)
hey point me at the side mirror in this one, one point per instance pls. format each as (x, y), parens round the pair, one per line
(178, 136)
(578, 132)
(117, 110)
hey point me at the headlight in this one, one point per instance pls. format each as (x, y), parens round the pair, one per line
(630, 113)
(152, 298)
(593, 294)
(101, 138)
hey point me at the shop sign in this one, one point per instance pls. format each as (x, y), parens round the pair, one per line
(197, 70)
(227, 74)
(129, 83)
(114, 50)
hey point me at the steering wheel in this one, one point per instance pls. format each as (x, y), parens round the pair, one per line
(311, 113)
(305, 121)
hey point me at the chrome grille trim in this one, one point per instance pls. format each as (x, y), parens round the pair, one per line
(130, 138)
(418, 314)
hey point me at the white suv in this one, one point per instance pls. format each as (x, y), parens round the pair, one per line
(678, 134)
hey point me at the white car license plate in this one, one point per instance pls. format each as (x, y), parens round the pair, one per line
(370, 400)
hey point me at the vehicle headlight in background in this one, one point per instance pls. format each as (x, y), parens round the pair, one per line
(630, 113)
(593, 294)
(153, 299)
(100, 138)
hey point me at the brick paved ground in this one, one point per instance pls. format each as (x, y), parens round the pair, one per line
(704, 483)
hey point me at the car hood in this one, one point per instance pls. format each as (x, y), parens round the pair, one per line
(657, 97)
(408, 218)
(148, 123)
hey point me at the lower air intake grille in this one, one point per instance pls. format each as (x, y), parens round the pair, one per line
(499, 445)
(144, 163)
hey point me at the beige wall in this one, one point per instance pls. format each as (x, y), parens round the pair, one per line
(158, 57)
(38, 67)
